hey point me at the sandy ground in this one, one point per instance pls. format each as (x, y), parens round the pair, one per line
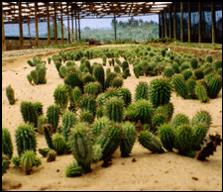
(167, 171)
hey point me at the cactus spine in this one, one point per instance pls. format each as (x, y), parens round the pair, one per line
(59, 144)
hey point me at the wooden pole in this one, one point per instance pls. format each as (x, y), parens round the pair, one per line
(68, 22)
(48, 24)
(36, 23)
(174, 22)
(170, 20)
(181, 22)
(76, 27)
(62, 27)
(200, 22)
(55, 23)
(3, 34)
(72, 26)
(165, 23)
(115, 28)
(79, 27)
(162, 24)
(20, 25)
(189, 23)
(213, 21)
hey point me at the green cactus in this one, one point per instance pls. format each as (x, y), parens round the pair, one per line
(126, 95)
(128, 138)
(109, 77)
(160, 92)
(157, 120)
(209, 59)
(99, 74)
(168, 72)
(191, 84)
(183, 139)
(202, 117)
(167, 136)
(81, 146)
(194, 63)
(86, 116)
(166, 110)
(35, 61)
(87, 78)
(61, 96)
(73, 79)
(25, 138)
(59, 143)
(180, 85)
(97, 153)
(179, 119)
(117, 82)
(201, 92)
(198, 73)
(74, 170)
(16, 161)
(104, 60)
(63, 71)
(44, 151)
(51, 155)
(7, 147)
(53, 115)
(48, 137)
(214, 85)
(88, 103)
(99, 125)
(187, 73)
(75, 97)
(5, 164)
(68, 121)
(93, 88)
(38, 107)
(10, 95)
(28, 161)
(42, 120)
(38, 76)
(114, 109)
(117, 69)
(149, 141)
(142, 91)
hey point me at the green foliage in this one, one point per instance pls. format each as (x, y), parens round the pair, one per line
(201, 92)
(99, 125)
(16, 161)
(202, 117)
(53, 114)
(157, 120)
(142, 91)
(160, 92)
(150, 142)
(93, 88)
(86, 116)
(99, 74)
(117, 82)
(125, 95)
(74, 170)
(51, 155)
(88, 103)
(25, 138)
(63, 71)
(10, 95)
(191, 84)
(179, 119)
(109, 79)
(168, 72)
(97, 153)
(35, 61)
(44, 151)
(214, 85)
(117, 69)
(180, 85)
(198, 73)
(187, 74)
(7, 147)
(217, 65)
(166, 111)
(87, 78)
(5, 164)
(68, 121)
(209, 59)
(128, 138)
(59, 143)
(61, 96)
(48, 137)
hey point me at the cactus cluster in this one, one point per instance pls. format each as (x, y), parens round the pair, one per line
(86, 116)
(38, 76)
(117, 82)
(73, 79)
(214, 85)
(99, 125)
(59, 143)
(168, 72)
(202, 117)
(125, 95)
(74, 170)
(142, 91)
(10, 95)
(191, 84)
(99, 74)
(179, 119)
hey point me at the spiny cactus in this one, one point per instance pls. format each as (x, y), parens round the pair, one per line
(128, 138)
(53, 114)
(160, 92)
(117, 82)
(7, 147)
(48, 137)
(87, 78)
(109, 77)
(114, 109)
(81, 146)
(180, 85)
(168, 72)
(51, 155)
(214, 85)
(73, 79)
(44, 151)
(191, 84)
(184, 139)
(16, 161)
(97, 153)
(93, 88)
(88, 103)
(117, 69)
(35, 61)
(42, 120)
(166, 110)
(5, 164)
(38, 76)
(59, 143)
(209, 59)
(99, 125)
(142, 91)
(86, 116)
(104, 59)
(157, 120)
(99, 74)
(63, 71)
(61, 96)
(126, 95)
(38, 107)
(10, 95)
(202, 117)
(179, 119)
(187, 74)
(74, 170)
(149, 141)
(201, 92)
(198, 73)
(25, 138)
(194, 63)
(28, 161)
(68, 121)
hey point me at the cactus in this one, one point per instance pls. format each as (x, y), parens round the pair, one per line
(88, 103)
(59, 143)
(180, 85)
(75, 97)
(117, 69)
(38, 76)
(16, 161)
(194, 63)
(198, 73)
(68, 121)
(201, 92)
(157, 120)
(73, 79)
(93, 88)
(63, 71)
(126, 95)
(99, 74)
(109, 77)
(184, 139)
(35, 61)
(191, 84)
(61, 96)
(199, 133)
(168, 72)
(53, 114)
(81, 146)
(38, 107)
(187, 74)
(167, 136)
(99, 125)
(149, 141)
(160, 92)
(25, 138)
(7, 147)
(51, 155)
(74, 170)
(28, 161)
(10, 95)
(128, 138)
(117, 82)
(209, 59)
(166, 110)
(176, 68)
(179, 119)
(5, 164)
(97, 153)
(44, 151)
(202, 117)
(142, 91)
(214, 85)
(114, 109)
(104, 59)
(42, 120)
(48, 137)
(87, 78)
(86, 116)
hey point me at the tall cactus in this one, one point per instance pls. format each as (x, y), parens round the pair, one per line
(7, 147)
(99, 125)
(93, 88)
(68, 121)
(99, 74)
(61, 96)
(25, 138)
(214, 85)
(53, 114)
(59, 143)
(201, 93)
(126, 95)
(88, 103)
(142, 91)
(179, 119)
(202, 117)
(180, 85)
(191, 84)
(10, 94)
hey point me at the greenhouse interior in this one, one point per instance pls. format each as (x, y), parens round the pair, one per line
(116, 96)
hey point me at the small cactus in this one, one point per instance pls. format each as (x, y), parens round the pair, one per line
(53, 114)
(117, 82)
(87, 78)
(42, 120)
(25, 138)
(201, 92)
(88, 103)
(59, 143)
(86, 116)
(99, 125)
(202, 117)
(10, 95)
(194, 63)
(97, 153)
(191, 84)
(7, 147)
(157, 120)
(74, 170)
(16, 161)
(199, 133)
(180, 85)
(5, 164)
(209, 59)
(38, 76)
(44, 151)
(198, 73)
(142, 91)
(73, 79)
(126, 95)
(48, 136)
(166, 110)
(179, 119)
(93, 88)
(51, 155)
(214, 85)
(110, 76)
(187, 74)
(63, 71)
(99, 74)
(68, 121)
(61, 96)
(168, 72)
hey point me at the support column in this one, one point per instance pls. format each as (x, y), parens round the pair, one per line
(62, 27)
(200, 22)
(181, 22)
(48, 24)
(20, 25)
(3, 34)
(174, 22)
(79, 27)
(36, 24)
(162, 24)
(213, 27)
(55, 23)
(68, 23)
(165, 23)
(72, 27)
(189, 23)
(115, 28)
(170, 20)
(76, 27)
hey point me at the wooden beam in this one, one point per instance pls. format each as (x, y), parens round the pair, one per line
(20, 25)
(68, 23)
(55, 23)
(200, 22)
(189, 23)
(3, 34)
(174, 22)
(62, 26)
(213, 27)
(48, 24)
(181, 22)
(36, 24)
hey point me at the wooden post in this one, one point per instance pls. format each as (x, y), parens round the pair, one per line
(181, 22)
(115, 28)
(68, 22)
(174, 22)
(72, 26)
(170, 19)
(79, 27)
(36, 23)
(55, 23)
(165, 23)
(189, 23)
(76, 27)
(200, 22)
(61, 20)
(20, 25)
(48, 24)
(162, 24)
(3, 34)
(213, 21)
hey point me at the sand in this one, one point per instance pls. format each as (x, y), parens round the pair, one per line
(168, 171)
